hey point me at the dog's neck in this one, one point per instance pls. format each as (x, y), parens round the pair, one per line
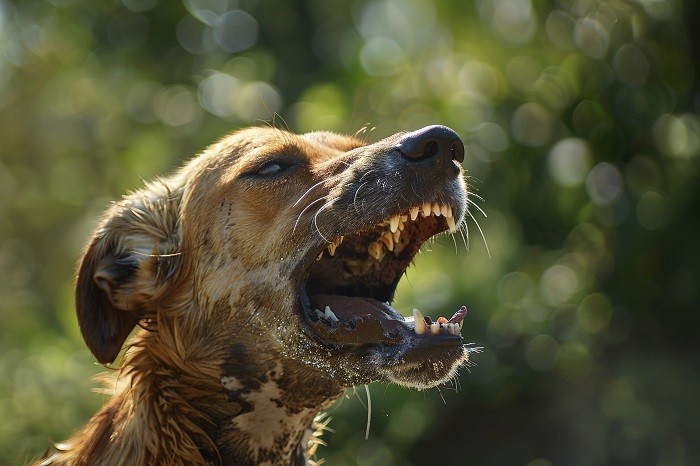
(252, 409)
(274, 410)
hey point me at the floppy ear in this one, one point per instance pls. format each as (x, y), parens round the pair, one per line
(124, 267)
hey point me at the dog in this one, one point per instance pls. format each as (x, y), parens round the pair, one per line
(260, 278)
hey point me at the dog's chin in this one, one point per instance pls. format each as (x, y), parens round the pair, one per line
(346, 307)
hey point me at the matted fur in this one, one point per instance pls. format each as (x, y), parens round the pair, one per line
(224, 369)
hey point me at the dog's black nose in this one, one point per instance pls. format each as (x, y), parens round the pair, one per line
(431, 142)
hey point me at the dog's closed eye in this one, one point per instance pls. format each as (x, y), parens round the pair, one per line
(274, 167)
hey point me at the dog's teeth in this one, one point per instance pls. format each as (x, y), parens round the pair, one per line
(340, 240)
(436, 209)
(331, 249)
(396, 236)
(414, 213)
(319, 313)
(319, 256)
(449, 211)
(419, 325)
(388, 240)
(444, 210)
(451, 223)
(394, 223)
(376, 250)
(434, 328)
(427, 208)
(328, 314)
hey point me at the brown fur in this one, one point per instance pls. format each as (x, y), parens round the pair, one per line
(225, 370)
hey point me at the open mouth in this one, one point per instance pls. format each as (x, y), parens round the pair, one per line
(350, 285)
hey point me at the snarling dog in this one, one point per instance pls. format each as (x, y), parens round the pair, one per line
(261, 274)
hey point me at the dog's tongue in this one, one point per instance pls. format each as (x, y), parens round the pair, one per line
(347, 308)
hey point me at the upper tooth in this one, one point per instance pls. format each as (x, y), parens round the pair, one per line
(388, 240)
(436, 209)
(394, 223)
(376, 250)
(434, 328)
(414, 213)
(451, 223)
(444, 210)
(328, 314)
(419, 325)
(426, 209)
(331, 248)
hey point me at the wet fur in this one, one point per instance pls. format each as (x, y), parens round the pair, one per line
(205, 262)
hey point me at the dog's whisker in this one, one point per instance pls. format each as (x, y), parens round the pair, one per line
(471, 202)
(461, 232)
(480, 231)
(323, 207)
(354, 199)
(307, 192)
(305, 209)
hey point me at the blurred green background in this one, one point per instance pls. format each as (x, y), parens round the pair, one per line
(580, 118)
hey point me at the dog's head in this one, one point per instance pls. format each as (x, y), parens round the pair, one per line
(287, 245)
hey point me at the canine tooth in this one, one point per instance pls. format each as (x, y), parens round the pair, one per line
(376, 250)
(427, 208)
(394, 223)
(434, 328)
(414, 213)
(449, 211)
(443, 210)
(388, 240)
(419, 325)
(331, 249)
(328, 314)
(436, 209)
(451, 223)
(396, 236)
(319, 256)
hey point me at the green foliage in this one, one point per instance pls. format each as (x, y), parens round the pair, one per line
(583, 141)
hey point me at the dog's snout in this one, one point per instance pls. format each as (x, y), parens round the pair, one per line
(431, 142)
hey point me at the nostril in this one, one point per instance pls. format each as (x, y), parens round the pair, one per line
(430, 149)
(457, 151)
(431, 143)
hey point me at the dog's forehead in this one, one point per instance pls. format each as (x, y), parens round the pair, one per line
(256, 144)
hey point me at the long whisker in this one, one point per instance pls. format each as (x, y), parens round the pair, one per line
(323, 207)
(305, 209)
(461, 232)
(480, 231)
(477, 207)
(307, 192)
(354, 199)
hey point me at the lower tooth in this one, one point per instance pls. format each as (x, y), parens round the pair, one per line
(451, 223)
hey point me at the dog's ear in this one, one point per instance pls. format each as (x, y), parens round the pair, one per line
(124, 267)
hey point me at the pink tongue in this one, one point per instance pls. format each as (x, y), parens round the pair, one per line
(348, 307)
